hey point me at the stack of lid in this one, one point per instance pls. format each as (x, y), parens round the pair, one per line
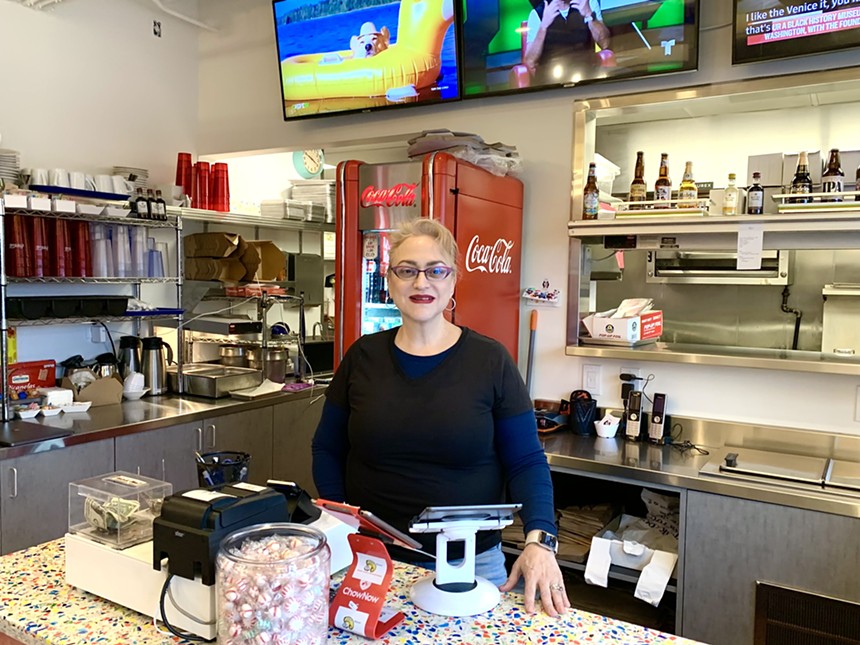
(317, 191)
(141, 176)
(10, 166)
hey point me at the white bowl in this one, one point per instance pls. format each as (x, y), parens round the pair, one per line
(134, 395)
(77, 406)
(50, 412)
(26, 413)
(605, 430)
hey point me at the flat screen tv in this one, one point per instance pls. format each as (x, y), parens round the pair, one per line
(517, 45)
(354, 55)
(768, 29)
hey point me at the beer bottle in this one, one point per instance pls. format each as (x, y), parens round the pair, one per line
(591, 194)
(638, 189)
(731, 197)
(162, 206)
(755, 196)
(802, 182)
(833, 179)
(857, 184)
(688, 193)
(141, 205)
(663, 185)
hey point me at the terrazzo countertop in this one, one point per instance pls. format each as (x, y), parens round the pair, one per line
(38, 607)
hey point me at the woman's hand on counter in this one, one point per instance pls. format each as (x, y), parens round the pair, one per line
(541, 574)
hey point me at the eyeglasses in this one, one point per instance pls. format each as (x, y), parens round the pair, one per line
(435, 273)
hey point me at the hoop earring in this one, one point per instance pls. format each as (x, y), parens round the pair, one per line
(453, 305)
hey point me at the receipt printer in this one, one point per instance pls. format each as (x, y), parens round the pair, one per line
(193, 523)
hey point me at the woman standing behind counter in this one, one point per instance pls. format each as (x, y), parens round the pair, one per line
(432, 414)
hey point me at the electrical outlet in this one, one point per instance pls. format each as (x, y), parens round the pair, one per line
(591, 378)
(857, 405)
(97, 334)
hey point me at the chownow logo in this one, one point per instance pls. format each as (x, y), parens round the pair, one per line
(489, 258)
(402, 194)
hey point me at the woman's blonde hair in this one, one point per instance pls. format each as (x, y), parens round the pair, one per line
(428, 228)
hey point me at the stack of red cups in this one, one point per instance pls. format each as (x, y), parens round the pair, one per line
(184, 175)
(219, 194)
(200, 194)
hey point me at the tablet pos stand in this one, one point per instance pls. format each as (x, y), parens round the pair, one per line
(454, 590)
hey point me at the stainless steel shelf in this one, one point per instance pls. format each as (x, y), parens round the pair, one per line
(42, 322)
(240, 219)
(53, 280)
(171, 222)
(773, 359)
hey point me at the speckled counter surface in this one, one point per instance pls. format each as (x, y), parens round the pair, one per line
(37, 607)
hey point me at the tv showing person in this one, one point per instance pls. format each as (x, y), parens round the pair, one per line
(561, 40)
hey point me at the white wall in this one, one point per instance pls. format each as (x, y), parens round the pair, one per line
(240, 111)
(86, 85)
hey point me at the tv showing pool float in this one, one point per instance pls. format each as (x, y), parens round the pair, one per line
(355, 55)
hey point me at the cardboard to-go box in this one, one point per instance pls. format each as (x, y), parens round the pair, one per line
(223, 269)
(263, 261)
(632, 329)
(103, 391)
(213, 245)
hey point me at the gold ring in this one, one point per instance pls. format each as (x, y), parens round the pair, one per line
(556, 587)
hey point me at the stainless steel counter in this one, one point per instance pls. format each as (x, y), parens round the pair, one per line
(149, 413)
(667, 467)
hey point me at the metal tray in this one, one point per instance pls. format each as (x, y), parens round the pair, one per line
(212, 381)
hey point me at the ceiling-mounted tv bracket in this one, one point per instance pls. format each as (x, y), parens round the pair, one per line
(180, 16)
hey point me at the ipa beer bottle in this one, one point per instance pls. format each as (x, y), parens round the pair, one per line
(755, 196)
(731, 197)
(591, 194)
(638, 189)
(802, 182)
(833, 179)
(663, 185)
(688, 194)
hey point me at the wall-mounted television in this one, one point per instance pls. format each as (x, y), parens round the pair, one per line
(517, 45)
(353, 55)
(769, 29)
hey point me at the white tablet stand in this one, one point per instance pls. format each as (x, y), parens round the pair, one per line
(454, 590)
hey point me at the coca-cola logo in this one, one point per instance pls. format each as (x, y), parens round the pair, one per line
(401, 194)
(489, 258)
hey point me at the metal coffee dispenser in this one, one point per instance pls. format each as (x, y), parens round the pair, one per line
(154, 365)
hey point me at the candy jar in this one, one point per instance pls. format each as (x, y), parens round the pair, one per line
(273, 585)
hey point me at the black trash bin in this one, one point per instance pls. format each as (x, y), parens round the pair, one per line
(225, 467)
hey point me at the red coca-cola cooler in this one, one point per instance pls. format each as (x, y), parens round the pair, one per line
(485, 213)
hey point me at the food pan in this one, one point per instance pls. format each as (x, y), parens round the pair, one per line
(212, 381)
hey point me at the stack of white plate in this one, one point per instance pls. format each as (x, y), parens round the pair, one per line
(10, 165)
(141, 176)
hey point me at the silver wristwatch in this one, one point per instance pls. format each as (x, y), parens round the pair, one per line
(544, 539)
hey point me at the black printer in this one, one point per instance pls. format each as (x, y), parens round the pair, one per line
(193, 523)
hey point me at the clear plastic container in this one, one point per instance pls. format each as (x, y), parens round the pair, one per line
(116, 508)
(272, 585)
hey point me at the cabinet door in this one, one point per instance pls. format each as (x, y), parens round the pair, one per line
(249, 432)
(167, 453)
(34, 491)
(295, 423)
(730, 543)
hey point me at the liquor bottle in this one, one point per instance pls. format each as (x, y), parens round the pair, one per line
(731, 197)
(162, 206)
(802, 182)
(153, 207)
(141, 205)
(833, 179)
(638, 189)
(591, 194)
(688, 193)
(857, 184)
(755, 196)
(663, 185)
